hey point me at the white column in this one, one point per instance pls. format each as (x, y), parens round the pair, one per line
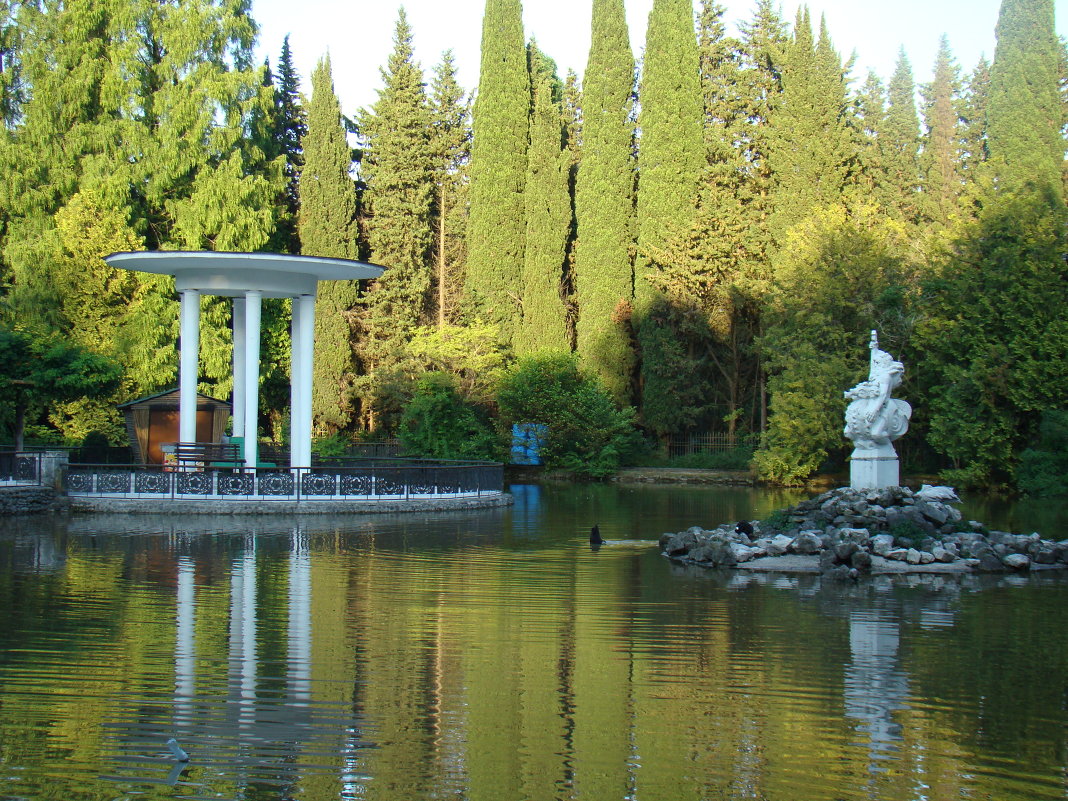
(238, 397)
(305, 346)
(298, 653)
(185, 658)
(189, 365)
(253, 298)
(294, 385)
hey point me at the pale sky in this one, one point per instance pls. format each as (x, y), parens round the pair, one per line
(359, 35)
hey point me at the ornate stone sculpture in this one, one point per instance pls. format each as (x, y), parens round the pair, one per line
(874, 420)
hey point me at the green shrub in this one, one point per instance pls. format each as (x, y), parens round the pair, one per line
(908, 531)
(1043, 469)
(779, 520)
(333, 446)
(439, 424)
(588, 433)
(735, 459)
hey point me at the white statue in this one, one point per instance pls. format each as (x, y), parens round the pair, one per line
(874, 420)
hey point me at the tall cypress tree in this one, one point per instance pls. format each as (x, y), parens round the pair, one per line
(900, 144)
(604, 203)
(670, 153)
(1025, 111)
(451, 148)
(498, 166)
(811, 146)
(548, 215)
(940, 161)
(327, 228)
(670, 160)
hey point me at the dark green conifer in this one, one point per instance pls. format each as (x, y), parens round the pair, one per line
(398, 169)
(451, 149)
(940, 161)
(604, 203)
(291, 124)
(867, 121)
(670, 152)
(670, 160)
(327, 228)
(1025, 110)
(548, 216)
(810, 149)
(498, 167)
(899, 137)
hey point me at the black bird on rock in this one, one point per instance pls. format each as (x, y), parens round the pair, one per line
(744, 527)
(595, 536)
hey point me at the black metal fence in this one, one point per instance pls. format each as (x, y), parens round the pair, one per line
(19, 467)
(701, 443)
(371, 481)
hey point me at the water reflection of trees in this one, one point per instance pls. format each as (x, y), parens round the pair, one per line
(384, 658)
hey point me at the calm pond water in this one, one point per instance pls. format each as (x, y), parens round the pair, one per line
(495, 656)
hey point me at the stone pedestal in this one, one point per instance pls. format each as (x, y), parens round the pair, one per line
(874, 468)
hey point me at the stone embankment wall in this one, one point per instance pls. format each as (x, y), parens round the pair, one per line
(28, 500)
(239, 507)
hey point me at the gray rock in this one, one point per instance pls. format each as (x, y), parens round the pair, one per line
(942, 554)
(778, 545)
(882, 544)
(861, 561)
(723, 554)
(898, 554)
(827, 561)
(926, 557)
(989, 563)
(807, 542)
(680, 544)
(702, 554)
(934, 511)
(844, 551)
(861, 536)
(742, 553)
(1045, 555)
(1017, 561)
(912, 556)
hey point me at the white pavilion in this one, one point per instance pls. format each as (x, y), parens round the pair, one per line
(248, 278)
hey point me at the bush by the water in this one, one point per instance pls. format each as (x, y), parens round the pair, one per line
(588, 433)
(439, 424)
(1043, 468)
(737, 458)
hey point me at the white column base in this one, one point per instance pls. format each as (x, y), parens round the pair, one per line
(874, 468)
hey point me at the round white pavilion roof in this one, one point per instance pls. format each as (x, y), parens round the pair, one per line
(276, 275)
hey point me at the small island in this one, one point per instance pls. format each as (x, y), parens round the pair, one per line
(846, 533)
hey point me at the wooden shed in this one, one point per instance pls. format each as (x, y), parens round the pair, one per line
(153, 421)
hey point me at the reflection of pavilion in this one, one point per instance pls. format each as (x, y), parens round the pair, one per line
(251, 711)
(874, 686)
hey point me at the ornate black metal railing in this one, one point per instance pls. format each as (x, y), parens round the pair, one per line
(20, 467)
(390, 480)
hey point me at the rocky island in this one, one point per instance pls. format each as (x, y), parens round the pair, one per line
(846, 533)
